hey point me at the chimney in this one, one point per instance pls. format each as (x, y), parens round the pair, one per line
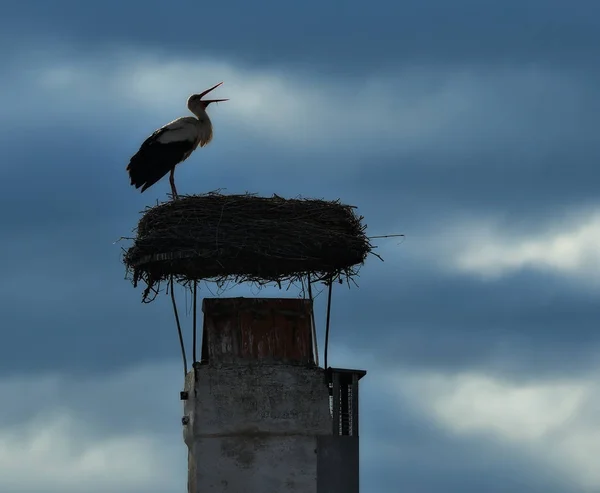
(259, 415)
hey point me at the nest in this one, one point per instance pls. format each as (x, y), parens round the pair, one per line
(241, 238)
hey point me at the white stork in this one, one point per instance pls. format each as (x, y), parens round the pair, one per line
(170, 145)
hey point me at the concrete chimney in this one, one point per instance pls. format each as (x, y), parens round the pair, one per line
(259, 415)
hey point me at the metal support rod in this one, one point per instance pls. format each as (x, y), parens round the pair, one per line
(194, 364)
(312, 317)
(195, 322)
(327, 324)
(181, 343)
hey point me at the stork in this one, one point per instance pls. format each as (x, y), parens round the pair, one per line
(172, 144)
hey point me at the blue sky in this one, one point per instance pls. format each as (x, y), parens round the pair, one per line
(470, 126)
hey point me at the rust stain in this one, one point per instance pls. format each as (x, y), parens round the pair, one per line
(273, 329)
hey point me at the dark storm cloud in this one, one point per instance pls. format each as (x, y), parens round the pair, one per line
(69, 307)
(110, 400)
(524, 194)
(399, 446)
(70, 199)
(338, 36)
(65, 306)
(527, 325)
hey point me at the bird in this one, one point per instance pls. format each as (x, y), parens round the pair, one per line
(172, 144)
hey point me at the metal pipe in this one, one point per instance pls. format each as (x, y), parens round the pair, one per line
(327, 324)
(181, 343)
(312, 321)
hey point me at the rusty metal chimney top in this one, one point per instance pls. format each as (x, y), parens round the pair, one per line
(255, 330)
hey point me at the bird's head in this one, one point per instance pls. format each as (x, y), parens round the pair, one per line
(197, 105)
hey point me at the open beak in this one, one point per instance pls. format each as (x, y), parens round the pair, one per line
(207, 101)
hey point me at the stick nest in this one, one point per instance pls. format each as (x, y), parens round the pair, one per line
(241, 238)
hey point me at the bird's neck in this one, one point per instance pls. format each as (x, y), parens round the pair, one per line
(204, 127)
(201, 115)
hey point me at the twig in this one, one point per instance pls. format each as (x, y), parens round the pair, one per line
(246, 238)
(385, 236)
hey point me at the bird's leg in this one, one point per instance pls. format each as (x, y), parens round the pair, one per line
(172, 182)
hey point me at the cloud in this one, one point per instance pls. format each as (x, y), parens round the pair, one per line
(100, 434)
(413, 128)
(330, 37)
(109, 434)
(428, 109)
(98, 108)
(65, 455)
(490, 248)
(554, 423)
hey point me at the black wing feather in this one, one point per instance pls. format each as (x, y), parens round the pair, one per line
(154, 160)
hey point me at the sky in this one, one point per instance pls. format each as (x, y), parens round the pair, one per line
(468, 126)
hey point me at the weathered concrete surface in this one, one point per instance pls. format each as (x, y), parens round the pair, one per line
(254, 428)
(255, 464)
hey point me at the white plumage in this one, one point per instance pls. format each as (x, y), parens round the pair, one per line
(172, 144)
(186, 128)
